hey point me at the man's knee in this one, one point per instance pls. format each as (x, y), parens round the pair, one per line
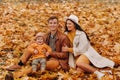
(52, 64)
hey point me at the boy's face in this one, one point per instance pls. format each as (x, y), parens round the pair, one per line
(40, 40)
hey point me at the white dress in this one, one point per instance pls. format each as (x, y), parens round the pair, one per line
(81, 45)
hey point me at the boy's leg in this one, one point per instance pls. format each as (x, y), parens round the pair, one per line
(43, 64)
(34, 65)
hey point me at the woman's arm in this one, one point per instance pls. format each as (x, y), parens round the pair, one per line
(67, 49)
(80, 44)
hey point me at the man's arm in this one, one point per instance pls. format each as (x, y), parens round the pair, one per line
(62, 55)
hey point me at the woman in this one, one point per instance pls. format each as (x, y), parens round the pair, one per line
(82, 50)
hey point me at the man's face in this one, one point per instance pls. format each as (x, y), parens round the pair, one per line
(53, 24)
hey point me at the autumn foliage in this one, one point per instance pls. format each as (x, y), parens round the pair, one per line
(21, 20)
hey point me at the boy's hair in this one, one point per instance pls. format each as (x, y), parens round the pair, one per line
(52, 17)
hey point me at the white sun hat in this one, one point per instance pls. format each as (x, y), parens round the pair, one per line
(73, 18)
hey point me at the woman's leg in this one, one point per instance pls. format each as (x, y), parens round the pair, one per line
(86, 67)
(84, 63)
(79, 70)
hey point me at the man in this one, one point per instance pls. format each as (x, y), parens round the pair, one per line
(56, 40)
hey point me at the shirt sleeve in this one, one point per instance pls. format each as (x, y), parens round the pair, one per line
(70, 50)
(48, 48)
(31, 47)
(81, 44)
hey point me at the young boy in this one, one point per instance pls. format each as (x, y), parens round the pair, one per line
(40, 50)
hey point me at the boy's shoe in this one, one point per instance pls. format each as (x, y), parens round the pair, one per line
(33, 73)
(43, 71)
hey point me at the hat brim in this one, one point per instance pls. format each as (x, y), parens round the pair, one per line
(67, 18)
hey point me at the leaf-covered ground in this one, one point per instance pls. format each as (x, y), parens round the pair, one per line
(20, 20)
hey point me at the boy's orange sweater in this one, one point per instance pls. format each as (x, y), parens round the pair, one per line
(40, 49)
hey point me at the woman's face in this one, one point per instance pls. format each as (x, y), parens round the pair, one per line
(70, 25)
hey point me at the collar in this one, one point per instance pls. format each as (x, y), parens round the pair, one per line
(78, 32)
(56, 35)
(53, 36)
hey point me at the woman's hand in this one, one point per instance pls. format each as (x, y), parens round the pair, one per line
(65, 48)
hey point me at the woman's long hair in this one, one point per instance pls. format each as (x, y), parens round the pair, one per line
(78, 27)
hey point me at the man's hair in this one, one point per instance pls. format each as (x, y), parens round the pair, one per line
(52, 17)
